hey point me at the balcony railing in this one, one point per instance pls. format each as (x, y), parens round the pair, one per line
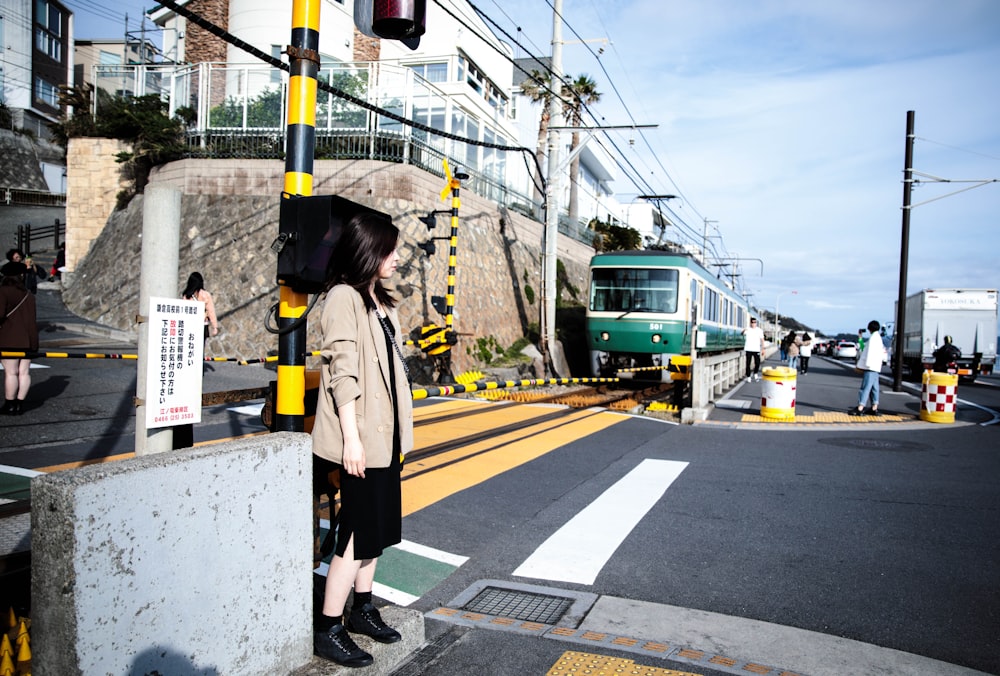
(239, 111)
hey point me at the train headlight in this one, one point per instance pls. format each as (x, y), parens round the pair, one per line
(605, 336)
(656, 338)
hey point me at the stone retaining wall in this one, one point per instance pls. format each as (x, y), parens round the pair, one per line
(230, 218)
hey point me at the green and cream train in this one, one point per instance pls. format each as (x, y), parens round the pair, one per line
(643, 306)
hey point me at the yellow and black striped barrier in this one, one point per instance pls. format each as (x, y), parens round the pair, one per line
(482, 385)
(64, 355)
(679, 368)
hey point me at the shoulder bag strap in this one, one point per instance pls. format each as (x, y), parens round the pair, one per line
(18, 305)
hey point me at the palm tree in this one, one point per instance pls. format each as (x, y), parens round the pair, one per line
(576, 94)
(538, 90)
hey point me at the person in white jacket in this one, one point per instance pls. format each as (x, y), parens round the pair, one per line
(870, 363)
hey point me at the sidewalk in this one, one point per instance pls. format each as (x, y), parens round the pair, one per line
(58, 327)
(824, 395)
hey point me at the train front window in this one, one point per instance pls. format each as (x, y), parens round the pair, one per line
(633, 290)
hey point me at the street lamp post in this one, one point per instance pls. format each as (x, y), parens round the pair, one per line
(777, 313)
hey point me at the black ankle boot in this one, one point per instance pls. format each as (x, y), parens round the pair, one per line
(15, 407)
(8, 407)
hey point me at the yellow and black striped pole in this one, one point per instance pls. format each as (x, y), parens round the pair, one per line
(454, 184)
(300, 144)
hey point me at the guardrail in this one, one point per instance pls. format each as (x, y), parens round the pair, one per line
(711, 377)
(27, 234)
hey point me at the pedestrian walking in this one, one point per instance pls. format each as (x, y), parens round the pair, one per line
(805, 351)
(18, 333)
(753, 347)
(195, 290)
(792, 347)
(364, 426)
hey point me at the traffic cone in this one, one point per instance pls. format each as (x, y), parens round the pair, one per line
(11, 618)
(24, 658)
(5, 647)
(6, 666)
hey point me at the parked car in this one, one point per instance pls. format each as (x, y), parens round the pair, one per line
(846, 350)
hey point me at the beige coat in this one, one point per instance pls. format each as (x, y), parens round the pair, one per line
(356, 367)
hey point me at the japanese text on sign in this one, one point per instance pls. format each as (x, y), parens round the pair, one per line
(176, 353)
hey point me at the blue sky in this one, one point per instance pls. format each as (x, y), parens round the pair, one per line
(783, 123)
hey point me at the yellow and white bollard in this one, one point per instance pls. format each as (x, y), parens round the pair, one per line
(938, 397)
(777, 399)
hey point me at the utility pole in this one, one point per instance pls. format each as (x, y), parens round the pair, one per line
(552, 191)
(704, 239)
(904, 248)
(300, 144)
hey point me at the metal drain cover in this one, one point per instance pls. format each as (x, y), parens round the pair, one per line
(519, 605)
(876, 444)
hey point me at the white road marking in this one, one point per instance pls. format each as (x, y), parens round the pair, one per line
(579, 550)
(20, 471)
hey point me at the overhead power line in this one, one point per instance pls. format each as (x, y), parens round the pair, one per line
(278, 63)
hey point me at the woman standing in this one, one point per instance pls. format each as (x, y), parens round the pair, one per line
(195, 290)
(18, 333)
(363, 426)
(805, 351)
(793, 350)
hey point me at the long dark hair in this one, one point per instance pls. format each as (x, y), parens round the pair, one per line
(365, 243)
(195, 284)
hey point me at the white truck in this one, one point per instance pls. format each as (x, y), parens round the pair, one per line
(969, 316)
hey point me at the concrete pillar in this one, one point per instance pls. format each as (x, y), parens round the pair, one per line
(161, 236)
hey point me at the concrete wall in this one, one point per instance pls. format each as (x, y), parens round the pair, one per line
(196, 561)
(230, 218)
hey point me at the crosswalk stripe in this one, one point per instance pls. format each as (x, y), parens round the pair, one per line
(579, 550)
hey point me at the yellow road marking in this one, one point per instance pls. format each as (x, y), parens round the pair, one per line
(821, 417)
(573, 662)
(512, 450)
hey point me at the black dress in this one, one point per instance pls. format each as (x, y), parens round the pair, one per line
(371, 508)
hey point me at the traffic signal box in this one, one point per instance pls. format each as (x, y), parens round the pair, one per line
(308, 231)
(392, 19)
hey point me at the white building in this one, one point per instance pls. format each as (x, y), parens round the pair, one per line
(459, 79)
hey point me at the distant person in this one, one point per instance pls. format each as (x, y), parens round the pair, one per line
(792, 348)
(59, 266)
(18, 333)
(195, 290)
(34, 274)
(861, 340)
(870, 365)
(753, 346)
(15, 256)
(946, 355)
(805, 351)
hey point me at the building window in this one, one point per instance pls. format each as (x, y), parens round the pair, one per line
(470, 73)
(46, 93)
(48, 29)
(109, 58)
(276, 51)
(432, 72)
